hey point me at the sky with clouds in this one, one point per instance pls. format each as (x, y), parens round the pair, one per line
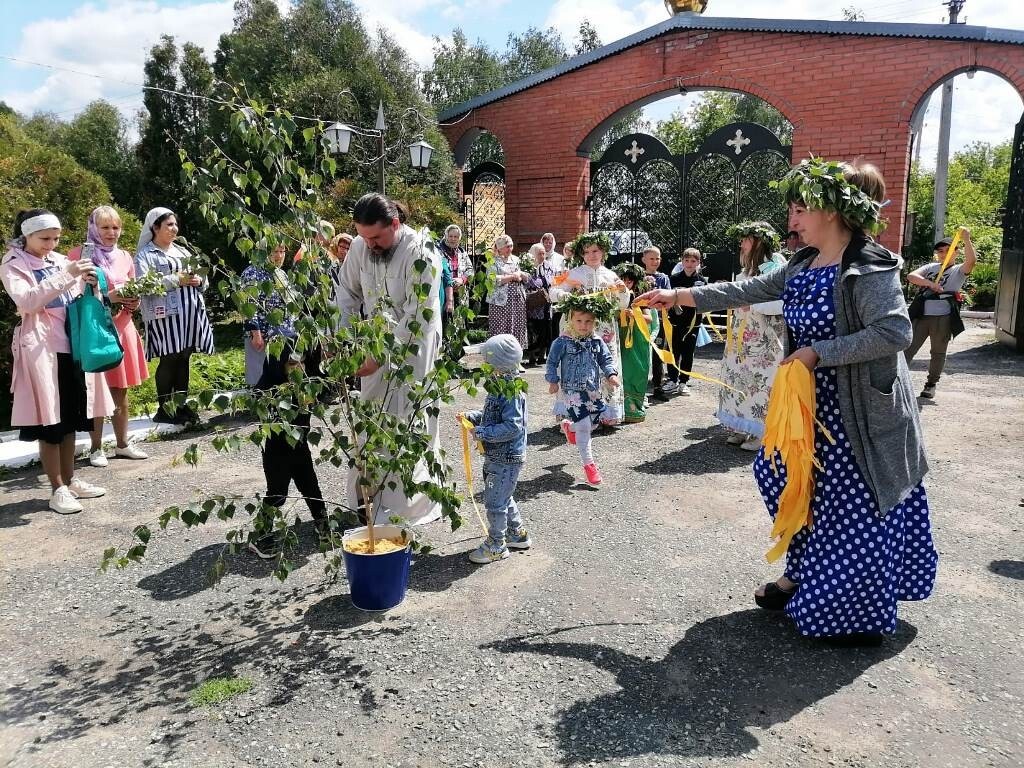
(110, 39)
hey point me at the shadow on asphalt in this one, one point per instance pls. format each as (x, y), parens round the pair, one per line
(436, 573)
(554, 480)
(165, 660)
(192, 576)
(1011, 569)
(985, 360)
(707, 454)
(748, 669)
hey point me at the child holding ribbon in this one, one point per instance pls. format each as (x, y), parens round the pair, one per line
(501, 429)
(578, 361)
(634, 344)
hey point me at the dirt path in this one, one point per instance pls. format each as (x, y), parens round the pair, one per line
(625, 637)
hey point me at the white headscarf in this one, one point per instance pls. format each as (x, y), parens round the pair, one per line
(39, 223)
(146, 236)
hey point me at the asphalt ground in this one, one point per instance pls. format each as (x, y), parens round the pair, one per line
(626, 636)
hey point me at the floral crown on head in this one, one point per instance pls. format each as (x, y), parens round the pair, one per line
(759, 230)
(636, 273)
(600, 305)
(579, 245)
(822, 185)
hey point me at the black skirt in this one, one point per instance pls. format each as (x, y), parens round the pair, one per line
(72, 394)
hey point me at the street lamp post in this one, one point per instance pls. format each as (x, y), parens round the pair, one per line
(339, 139)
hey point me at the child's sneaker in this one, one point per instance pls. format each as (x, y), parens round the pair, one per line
(567, 431)
(593, 474)
(488, 551)
(517, 539)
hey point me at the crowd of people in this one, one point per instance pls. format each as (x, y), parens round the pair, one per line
(612, 343)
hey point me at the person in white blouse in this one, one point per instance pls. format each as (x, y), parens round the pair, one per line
(591, 276)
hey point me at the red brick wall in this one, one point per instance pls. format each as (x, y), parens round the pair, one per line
(846, 97)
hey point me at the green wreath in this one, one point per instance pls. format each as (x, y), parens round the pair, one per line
(821, 185)
(579, 245)
(600, 305)
(643, 282)
(759, 230)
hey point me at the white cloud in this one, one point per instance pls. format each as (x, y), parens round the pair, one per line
(111, 41)
(391, 15)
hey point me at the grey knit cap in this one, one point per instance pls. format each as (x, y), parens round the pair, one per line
(503, 352)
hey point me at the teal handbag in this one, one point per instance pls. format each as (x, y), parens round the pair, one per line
(95, 345)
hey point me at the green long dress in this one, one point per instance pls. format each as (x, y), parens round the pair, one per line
(636, 363)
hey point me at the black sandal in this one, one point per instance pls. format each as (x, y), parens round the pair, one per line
(774, 597)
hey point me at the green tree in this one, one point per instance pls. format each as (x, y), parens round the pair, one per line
(684, 131)
(532, 51)
(587, 38)
(173, 123)
(461, 71)
(98, 139)
(319, 61)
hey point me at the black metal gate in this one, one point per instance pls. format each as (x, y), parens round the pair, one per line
(484, 205)
(642, 194)
(1009, 314)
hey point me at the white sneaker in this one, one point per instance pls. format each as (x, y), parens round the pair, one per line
(131, 451)
(83, 490)
(98, 458)
(736, 438)
(63, 502)
(684, 390)
(751, 444)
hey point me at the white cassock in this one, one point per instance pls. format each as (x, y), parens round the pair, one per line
(363, 282)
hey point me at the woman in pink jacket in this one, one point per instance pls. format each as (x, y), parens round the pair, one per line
(53, 399)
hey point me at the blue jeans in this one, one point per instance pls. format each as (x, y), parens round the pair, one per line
(500, 480)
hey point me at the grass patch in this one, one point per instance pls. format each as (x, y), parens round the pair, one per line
(219, 689)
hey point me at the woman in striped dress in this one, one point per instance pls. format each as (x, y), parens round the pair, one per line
(176, 324)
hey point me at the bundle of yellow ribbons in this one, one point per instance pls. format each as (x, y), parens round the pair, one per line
(789, 435)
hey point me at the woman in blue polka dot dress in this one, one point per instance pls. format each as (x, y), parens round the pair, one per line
(870, 542)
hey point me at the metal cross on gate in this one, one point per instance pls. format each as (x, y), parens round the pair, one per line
(634, 152)
(739, 142)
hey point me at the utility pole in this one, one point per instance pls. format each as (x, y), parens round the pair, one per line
(380, 127)
(945, 116)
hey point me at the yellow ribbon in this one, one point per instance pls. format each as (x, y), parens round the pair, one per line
(467, 464)
(714, 327)
(666, 356)
(950, 253)
(789, 434)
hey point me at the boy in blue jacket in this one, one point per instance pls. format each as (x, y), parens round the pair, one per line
(501, 427)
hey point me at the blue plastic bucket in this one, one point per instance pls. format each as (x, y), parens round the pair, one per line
(377, 582)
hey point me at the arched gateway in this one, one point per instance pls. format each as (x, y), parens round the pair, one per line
(849, 89)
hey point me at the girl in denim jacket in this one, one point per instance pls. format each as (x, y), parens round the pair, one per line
(577, 361)
(501, 427)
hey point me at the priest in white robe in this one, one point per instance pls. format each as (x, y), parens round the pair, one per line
(379, 277)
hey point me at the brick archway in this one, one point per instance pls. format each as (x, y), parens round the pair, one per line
(849, 88)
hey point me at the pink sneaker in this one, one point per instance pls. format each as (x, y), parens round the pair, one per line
(567, 431)
(593, 474)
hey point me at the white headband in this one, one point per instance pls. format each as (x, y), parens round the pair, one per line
(40, 222)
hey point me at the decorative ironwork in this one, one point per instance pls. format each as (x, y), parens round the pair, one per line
(1009, 314)
(757, 201)
(484, 189)
(710, 204)
(1013, 214)
(642, 194)
(636, 196)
